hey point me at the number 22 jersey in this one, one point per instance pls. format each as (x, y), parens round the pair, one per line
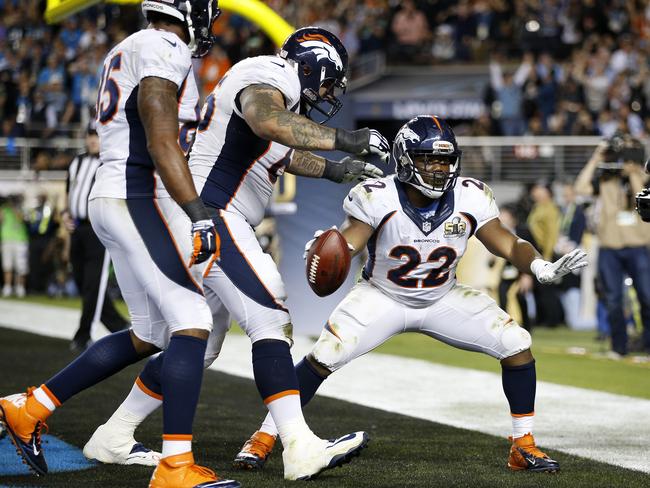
(412, 253)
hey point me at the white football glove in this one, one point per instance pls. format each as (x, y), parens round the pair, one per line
(317, 234)
(379, 146)
(547, 272)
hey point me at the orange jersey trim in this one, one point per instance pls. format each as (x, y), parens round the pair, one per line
(282, 394)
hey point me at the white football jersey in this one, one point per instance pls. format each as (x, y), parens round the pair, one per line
(127, 170)
(234, 169)
(413, 254)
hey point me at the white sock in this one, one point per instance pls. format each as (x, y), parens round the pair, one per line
(137, 406)
(141, 401)
(268, 426)
(288, 418)
(44, 399)
(174, 447)
(522, 425)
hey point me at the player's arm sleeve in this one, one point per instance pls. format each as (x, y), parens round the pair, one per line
(163, 60)
(357, 204)
(270, 74)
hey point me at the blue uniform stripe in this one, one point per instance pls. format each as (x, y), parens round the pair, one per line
(160, 243)
(241, 148)
(372, 247)
(139, 165)
(236, 267)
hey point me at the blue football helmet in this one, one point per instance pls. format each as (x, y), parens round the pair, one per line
(197, 15)
(433, 138)
(321, 60)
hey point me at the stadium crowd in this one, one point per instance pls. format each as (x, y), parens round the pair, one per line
(583, 65)
(555, 68)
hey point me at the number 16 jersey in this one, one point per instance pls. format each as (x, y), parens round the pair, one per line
(413, 253)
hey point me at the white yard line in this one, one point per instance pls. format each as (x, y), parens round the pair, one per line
(609, 428)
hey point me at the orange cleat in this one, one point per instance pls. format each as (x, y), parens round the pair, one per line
(180, 471)
(24, 418)
(255, 452)
(524, 455)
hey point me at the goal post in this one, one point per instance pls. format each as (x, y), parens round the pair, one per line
(254, 10)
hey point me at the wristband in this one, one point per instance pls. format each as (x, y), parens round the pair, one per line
(195, 210)
(352, 141)
(334, 171)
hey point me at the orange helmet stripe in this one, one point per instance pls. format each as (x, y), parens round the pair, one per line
(314, 37)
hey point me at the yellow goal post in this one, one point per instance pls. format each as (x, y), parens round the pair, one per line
(255, 11)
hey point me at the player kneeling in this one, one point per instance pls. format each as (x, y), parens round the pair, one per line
(416, 225)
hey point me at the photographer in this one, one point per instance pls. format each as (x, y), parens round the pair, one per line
(613, 175)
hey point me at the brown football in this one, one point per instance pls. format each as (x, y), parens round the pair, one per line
(328, 262)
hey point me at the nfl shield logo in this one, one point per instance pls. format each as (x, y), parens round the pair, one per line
(426, 226)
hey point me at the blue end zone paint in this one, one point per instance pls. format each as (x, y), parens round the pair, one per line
(61, 457)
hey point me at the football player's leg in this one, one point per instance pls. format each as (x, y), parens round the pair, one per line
(25, 415)
(363, 320)
(487, 328)
(176, 293)
(114, 442)
(249, 284)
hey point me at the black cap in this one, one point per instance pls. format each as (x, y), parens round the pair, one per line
(92, 128)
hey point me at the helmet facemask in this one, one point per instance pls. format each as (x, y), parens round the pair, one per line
(326, 101)
(412, 169)
(199, 27)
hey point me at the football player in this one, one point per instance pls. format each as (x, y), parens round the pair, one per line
(415, 226)
(144, 81)
(255, 125)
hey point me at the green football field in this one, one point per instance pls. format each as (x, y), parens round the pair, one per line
(403, 451)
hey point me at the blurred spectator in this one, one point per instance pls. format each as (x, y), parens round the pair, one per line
(513, 284)
(411, 30)
(572, 228)
(508, 96)
(213, 67)
(623, 237)
(13, 234)
(42, 224)
(444, 48)
(544, 224)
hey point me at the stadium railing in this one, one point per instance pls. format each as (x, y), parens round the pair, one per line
(492, 159)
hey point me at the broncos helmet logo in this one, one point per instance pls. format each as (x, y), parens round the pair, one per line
(323, 49)
(406, 134)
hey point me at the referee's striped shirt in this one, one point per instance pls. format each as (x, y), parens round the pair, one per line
(81, 176)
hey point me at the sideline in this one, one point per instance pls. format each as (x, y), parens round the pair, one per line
(609, 428)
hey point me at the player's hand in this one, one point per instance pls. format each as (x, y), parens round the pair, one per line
(378, 145)
(354, 169)
(205, 242)
(547, 272)
(363, 142)
(317, 234)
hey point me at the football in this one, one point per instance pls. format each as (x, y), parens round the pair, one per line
(328, 262)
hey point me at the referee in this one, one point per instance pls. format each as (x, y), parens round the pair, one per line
(90, 260)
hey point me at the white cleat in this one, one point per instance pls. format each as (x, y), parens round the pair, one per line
(109, 447)
(305, 460)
